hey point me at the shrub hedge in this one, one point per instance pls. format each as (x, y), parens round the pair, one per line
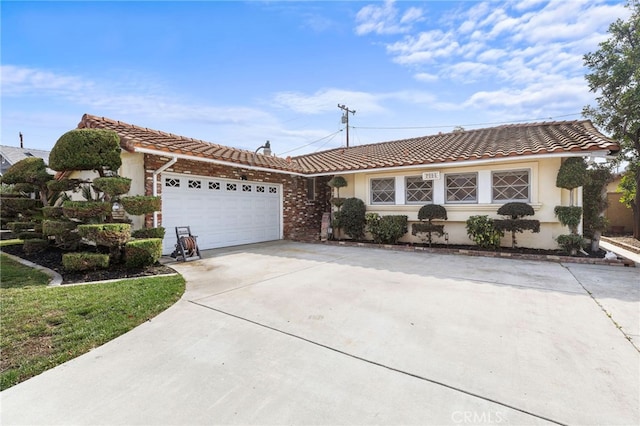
(481, 230)
(352, 218)
(142, 253)
(387, 229)
(84, 261)
(35, 245)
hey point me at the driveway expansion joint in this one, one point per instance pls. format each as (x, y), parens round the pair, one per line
(387, 367)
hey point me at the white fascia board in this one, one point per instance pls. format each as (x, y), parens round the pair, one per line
(603, 154)
(211, 160)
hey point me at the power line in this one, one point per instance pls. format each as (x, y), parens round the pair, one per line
(311, 143)
(468, 124)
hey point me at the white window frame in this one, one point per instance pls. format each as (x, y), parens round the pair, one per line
(503, 201)
(406, 190)
(446, 188)
(383, 203)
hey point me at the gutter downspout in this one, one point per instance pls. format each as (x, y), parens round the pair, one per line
(164, 167)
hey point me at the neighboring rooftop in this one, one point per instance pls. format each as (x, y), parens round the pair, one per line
(10, 155)
(489, 143)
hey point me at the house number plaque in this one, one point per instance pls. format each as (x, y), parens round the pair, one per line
(430, 175)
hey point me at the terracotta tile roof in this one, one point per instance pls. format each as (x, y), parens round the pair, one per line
(132, 137)
(489, 143)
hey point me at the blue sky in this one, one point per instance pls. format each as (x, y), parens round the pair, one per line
(240, 73)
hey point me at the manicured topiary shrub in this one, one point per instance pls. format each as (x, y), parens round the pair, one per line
(386, 229)
(571, 243)
(106, 234)
(64, 233)
(149, 233)
(351, 218)
(140, 204)
(515, 211)
(84, 261)
(112, 186)
(17, 227)
(423, 229)
(84, 210)
(572, 173)
(52, 212)
(35, 246)
(480, 229)
(21, 206)
(142, 253)
(31, 170)
(569, 216)
(63, 185)
(52, 228)
(86, 149)
(30, 235)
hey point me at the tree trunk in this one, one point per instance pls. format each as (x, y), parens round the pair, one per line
(636, 209)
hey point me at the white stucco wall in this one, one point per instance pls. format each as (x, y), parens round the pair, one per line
(544, 196)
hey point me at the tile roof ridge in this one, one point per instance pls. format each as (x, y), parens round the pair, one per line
(453, 132)
(91, 117)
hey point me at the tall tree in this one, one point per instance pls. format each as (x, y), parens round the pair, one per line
(614, 75)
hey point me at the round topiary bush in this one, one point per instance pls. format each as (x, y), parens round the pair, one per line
(516, 210)
(140, 204)
(86, 149)
(569, 216)
(112, 186)
(432, 211)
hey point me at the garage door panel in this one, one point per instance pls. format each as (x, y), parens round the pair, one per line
(221, 213)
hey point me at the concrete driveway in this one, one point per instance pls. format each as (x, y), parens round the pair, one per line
(293, 333)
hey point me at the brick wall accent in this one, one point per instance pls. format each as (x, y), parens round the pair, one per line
(301, 217)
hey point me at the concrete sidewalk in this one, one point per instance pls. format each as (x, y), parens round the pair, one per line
(292, 333)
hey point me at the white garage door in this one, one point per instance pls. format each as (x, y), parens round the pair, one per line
(220, 212)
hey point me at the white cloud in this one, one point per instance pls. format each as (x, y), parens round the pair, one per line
(23, 81)
(385, 19)
(426, 77)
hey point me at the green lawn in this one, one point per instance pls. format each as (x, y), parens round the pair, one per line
(41, 327)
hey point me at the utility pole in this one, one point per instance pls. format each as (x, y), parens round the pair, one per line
(345, 118)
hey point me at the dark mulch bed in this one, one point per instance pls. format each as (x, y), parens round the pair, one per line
(518, 250)
(52, 259)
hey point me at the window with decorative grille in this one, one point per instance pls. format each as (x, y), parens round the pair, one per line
(511, 185)
(383, 191)
(418, 191)
(462, 188)
(172, 183)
